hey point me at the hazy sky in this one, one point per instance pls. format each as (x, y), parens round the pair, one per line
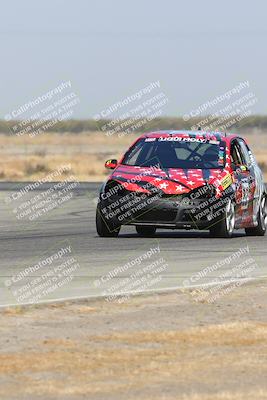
(110, 49)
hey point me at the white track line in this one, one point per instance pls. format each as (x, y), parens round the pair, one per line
(100, 296)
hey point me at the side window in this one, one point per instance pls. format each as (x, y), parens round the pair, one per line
(236, 157)
(132, 155)
(245, 153)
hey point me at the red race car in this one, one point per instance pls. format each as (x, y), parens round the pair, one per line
(184, 180)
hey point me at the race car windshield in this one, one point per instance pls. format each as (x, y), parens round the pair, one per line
(176, 152)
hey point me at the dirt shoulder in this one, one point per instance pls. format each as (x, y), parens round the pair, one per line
(155, 347)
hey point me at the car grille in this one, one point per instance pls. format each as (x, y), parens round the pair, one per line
(157, 215)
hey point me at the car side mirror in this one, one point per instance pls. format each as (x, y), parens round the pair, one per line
(111, 164)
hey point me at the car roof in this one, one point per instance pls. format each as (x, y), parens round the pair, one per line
(204, 134)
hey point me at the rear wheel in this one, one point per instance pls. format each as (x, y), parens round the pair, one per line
(225, 227)
(105, 229)
(146, 231)
(259, 230)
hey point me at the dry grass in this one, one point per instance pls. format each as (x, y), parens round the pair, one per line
(27, 159)
(134, 360)
(31, 168)
(14, 311)
(234, 334)
(147, 349)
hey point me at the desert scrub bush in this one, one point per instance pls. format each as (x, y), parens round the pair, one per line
(32, 168)
(263, 166)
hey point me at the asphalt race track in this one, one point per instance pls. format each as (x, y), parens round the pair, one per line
(72, 224)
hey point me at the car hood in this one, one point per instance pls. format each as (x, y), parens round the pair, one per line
(170, 181)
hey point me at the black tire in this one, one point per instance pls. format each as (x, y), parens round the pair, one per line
(146, 231)
(103, 228)
(259, 230)
(224, 228)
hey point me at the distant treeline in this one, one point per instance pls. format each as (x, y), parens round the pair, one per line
(78, 126)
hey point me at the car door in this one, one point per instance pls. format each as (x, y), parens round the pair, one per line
(257, 187)
(249, 186)
(244, 180)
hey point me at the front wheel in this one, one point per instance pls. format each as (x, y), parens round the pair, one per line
(225, 227)
(146, 231)
(105, 229)
(259, 230)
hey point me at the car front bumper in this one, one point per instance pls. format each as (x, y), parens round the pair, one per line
(173, 212)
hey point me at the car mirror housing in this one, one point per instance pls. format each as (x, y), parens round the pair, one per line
(111, 164)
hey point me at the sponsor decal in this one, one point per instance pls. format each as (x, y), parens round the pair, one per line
(226, 181)
(186, 139)
(181, 139)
